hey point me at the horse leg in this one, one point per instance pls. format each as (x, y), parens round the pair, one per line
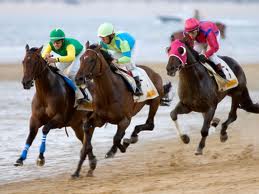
(208, 116)
(148, 126)
(34, 126)
(232, 116)
(180, 109)
(121, 127)
(86, 149)
(50, 125)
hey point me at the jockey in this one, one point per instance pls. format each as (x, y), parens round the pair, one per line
(122, 43)
(69, 51)
(206, 37)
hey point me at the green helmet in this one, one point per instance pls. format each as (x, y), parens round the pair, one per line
(105, 29)
(56, 34)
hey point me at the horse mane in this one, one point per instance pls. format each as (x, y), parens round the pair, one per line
(33, 49)
(107, 56)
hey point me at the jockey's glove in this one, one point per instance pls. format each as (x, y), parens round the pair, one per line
(202, 58)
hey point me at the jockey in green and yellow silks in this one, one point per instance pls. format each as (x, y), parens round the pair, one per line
(122, 43)
(69, 51)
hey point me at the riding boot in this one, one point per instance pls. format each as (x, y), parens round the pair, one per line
(85, 98)
(220, 71)
(138, 89)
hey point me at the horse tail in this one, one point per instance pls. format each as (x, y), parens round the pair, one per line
(165, 100)
(247, 103)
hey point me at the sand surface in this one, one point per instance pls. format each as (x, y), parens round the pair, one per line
(166, 165)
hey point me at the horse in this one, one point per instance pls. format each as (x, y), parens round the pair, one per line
(114, 102)
(180, 34)
(198, 91)
(52, 104)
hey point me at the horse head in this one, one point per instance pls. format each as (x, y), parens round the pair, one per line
(180, 56)
(31, 66)
(93, 63)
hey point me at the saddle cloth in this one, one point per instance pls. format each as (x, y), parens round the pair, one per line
(148, 88)
(231, 79)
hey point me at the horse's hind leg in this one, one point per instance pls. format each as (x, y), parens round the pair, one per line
(180, 109)
(121, 127)
(208, 116)
(34, 126)
(148, 126)
(232, 116)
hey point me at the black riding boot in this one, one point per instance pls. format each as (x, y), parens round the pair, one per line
(138, 89)
(85, 99)
(220, 71)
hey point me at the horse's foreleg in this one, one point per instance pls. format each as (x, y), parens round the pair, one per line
(208, 116)
(86, 149)
(148, 126)
(232, 116)
(180, 109)
(34, 126)
(121, 127)
(45, 130)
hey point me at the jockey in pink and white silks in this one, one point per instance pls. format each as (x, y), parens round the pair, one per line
(206, 36)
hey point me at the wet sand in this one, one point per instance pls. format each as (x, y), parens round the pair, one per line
(166, 165)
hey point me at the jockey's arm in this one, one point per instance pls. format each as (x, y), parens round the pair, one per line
(71, 55)
(46, 51)
(126, 52)
(212, 43)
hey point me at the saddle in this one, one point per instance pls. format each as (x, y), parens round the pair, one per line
(231, 79)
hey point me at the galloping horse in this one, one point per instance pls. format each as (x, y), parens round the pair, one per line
(52, 104)
(180, 35)
(114, 102)
(198, 91)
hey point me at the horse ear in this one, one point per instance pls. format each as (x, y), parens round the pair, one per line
(40, 49)
(87, 44)
(181, 50)
(99, 47)
(27, 48)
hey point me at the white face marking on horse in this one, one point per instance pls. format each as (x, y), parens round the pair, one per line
(85, 57)
(28, 58)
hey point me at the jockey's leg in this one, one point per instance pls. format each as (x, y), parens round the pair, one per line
(214, 58)
(80, 95)
(132, 67)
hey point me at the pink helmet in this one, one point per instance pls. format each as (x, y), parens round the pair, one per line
(191, 24)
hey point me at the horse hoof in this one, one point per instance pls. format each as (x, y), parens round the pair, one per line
(18, 162)
(215, 122)
(93, 163)
(126, 141)
(198, 152)
(185, 138)
(223, 138)
(133, 139)
(75, 175)
(110, 154)
(40, 162)
(90, 173)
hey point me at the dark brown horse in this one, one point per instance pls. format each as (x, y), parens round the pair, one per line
(198, 91)
(52, 104)
(113, 101)
(180, 35)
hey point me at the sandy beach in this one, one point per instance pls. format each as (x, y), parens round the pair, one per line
(165, 165)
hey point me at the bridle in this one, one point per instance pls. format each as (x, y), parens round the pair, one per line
(98, 57)
(45, 67)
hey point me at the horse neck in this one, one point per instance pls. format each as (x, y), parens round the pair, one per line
(44, 82)
(106, 84)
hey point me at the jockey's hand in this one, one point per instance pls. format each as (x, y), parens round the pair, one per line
(48, 55)
(51, 60)
(203, 58)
